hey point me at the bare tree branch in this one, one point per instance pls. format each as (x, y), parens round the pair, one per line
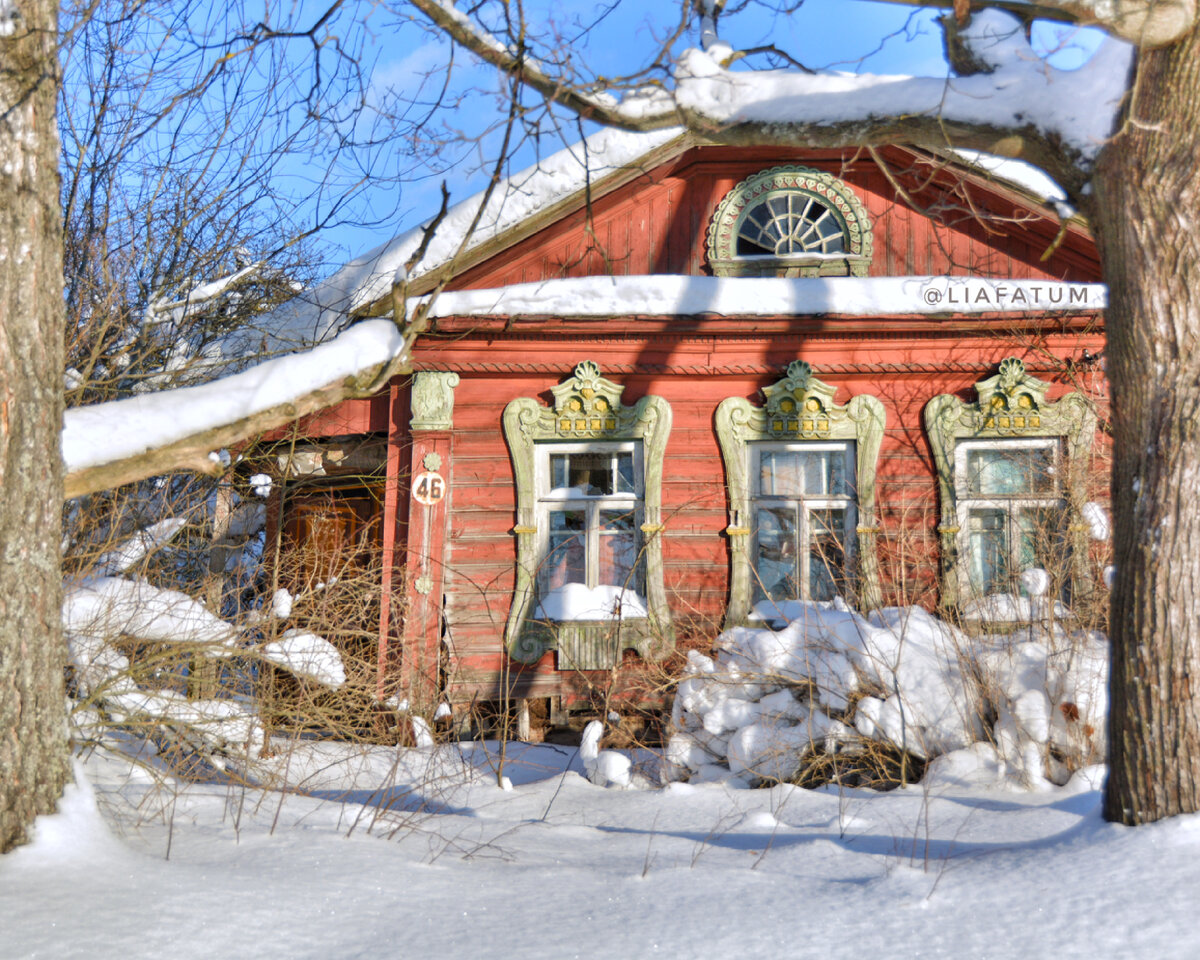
(647, 111)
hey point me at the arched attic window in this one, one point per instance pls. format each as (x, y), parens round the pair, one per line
(790, 222)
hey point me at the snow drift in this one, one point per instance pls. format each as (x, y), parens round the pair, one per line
(1028, 707)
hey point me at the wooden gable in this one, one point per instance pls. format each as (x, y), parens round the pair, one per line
(929, 217)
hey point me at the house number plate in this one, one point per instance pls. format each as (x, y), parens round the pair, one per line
(428, 488)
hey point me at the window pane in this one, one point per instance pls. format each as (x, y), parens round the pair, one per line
(618, 549)
(592, 474)
(827, 552)
(776, 562)
(1041, 541)
(799, 473)
(566, 559)
(625, 481)
(987, 544)
(559, 463)
(1014, 471)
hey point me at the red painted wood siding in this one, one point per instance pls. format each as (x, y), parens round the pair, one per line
(659, 223)
(481, 549)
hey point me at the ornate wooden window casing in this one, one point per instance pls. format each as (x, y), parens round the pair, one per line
(1000, 476)
(799, 414)
(790, 222)
(588, 420)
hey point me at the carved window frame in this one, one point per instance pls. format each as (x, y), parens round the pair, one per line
(1010, 405)
(805, 183)
(799, 408)
(587, 407)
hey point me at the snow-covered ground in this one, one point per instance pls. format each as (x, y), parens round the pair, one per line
(421, 854)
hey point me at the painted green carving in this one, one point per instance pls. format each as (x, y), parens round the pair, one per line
(1010, 404)
(433, 400)
(587, 407)
(791, 247)
(799, 407)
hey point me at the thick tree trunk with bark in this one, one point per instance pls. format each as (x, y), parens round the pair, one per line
(1147, 217)
(33, 742)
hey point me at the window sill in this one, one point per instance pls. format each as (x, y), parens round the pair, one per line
(839, 266)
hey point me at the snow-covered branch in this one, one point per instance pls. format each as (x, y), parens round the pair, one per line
(1022, 107)
(1057, 118)
(200, 297)
(1146, 23)
(109, 444)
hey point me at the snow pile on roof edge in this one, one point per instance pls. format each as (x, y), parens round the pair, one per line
(770, 296)
(313, 314)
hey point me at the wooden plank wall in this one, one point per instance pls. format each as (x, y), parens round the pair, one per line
(481, 549)
(940, 224)
(659, 223)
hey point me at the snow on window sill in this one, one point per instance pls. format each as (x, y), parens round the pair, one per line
(574, 602)
(779, 613)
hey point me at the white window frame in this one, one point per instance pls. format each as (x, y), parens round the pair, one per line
(805, 504)
(592, 504)
(1011, 505)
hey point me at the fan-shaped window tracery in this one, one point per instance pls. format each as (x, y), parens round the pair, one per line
(790, 221)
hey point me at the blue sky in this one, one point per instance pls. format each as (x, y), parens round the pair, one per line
(824, 34)
(409, 61)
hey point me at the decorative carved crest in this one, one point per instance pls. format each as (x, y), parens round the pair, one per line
(1012, 400)
(587, 404)
(799, 405)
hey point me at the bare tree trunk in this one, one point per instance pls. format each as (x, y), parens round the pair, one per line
(1147, 215)
(33, 742)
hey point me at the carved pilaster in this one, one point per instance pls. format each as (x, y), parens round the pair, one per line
(433, 400)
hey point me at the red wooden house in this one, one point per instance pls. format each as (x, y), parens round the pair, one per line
(701, 384)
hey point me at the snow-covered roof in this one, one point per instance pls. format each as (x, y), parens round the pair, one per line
(1025, 176)
(316, 314)
(313, 315)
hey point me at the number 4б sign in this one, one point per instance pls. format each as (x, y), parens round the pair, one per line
(428, 488)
